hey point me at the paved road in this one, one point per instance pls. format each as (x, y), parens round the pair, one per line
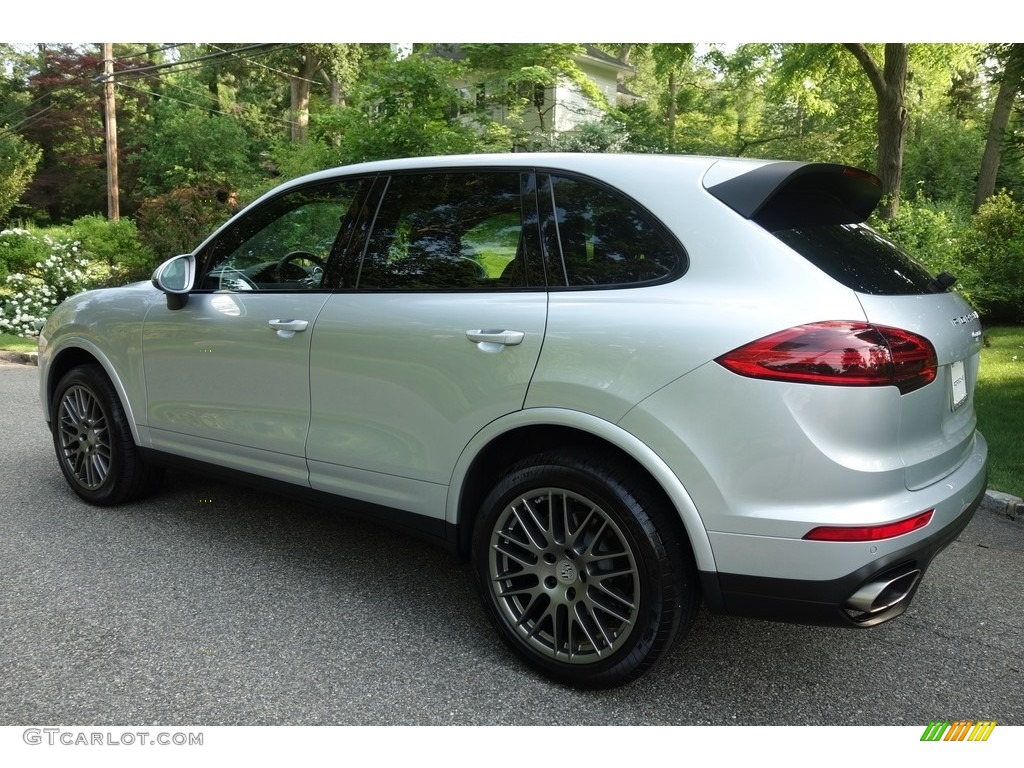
(213, 605)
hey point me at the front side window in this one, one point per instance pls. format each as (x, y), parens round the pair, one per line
(602, 238)
(284, 245)
(451, 231)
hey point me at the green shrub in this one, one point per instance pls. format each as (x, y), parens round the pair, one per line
(31, 291)
(178, 221)
(19, 252)
(115, 244)
(985, 251)
(993, 249)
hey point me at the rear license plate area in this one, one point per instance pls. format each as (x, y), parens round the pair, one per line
(958, 384)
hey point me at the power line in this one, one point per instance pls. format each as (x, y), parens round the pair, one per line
(264, 66)
(148, 52)
(153, 68)
(143, 72)
(189, 103)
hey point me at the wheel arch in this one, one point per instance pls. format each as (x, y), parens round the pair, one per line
(532, 431)
(82, 352)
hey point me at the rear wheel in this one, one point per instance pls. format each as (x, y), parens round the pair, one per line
(93, 440)
(583, 569)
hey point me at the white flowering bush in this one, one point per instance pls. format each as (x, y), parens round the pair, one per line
(31, 290)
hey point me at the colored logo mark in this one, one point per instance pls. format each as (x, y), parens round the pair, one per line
(958, 730)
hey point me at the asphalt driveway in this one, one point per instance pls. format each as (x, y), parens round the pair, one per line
(211, 604)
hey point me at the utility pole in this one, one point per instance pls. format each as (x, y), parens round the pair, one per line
(110, 120)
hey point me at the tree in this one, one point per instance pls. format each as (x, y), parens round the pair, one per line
(334, 67)
(889, 81)
(18, 161)
(188, 146)
(401, 109)
(64, 118)
(669, 63)
(1011, 82)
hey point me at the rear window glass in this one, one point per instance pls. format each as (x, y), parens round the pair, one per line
(859, 258)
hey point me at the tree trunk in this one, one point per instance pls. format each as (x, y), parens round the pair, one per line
(300, 88)
(890, 84)
(1009, 85)
(673, 89)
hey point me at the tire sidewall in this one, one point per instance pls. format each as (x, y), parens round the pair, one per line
(96, 383)
(656, 616)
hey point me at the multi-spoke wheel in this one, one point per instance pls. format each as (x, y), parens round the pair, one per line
(93, 439)
(582, 570)
(84, 437)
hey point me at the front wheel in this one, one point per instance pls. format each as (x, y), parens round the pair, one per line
(582, 569)
(93, 440)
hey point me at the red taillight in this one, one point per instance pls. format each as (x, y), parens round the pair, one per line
(869, 532)
(839, 353)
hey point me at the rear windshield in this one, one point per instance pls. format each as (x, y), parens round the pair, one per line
(859, 258)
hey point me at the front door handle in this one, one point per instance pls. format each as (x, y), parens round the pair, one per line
(505, 338)
(289, 325)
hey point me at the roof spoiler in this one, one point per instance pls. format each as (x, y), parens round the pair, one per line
(787, 195)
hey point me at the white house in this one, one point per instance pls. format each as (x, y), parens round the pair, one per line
(563, 107)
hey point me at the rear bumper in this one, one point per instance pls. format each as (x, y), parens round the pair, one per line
(893, 577)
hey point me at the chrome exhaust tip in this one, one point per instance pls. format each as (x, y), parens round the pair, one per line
(883, 593)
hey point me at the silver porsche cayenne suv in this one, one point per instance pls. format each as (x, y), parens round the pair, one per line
(622, 385)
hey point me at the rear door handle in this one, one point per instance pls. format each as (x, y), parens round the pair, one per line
(289, 325)
(505, 338)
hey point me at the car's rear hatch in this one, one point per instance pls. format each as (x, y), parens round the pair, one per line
(816, 209)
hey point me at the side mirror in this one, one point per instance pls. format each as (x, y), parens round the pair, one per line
(176, 278)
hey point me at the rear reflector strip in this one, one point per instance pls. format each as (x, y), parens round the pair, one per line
(869, 532)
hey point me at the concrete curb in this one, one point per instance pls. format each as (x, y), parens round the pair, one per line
(1004, 505)
(24, 358)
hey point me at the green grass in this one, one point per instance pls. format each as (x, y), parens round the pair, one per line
(11, 343)
(999, 401)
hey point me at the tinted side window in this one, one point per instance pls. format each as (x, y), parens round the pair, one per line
(451, 231)
(603, 238)
(284, 244)
(859, 258)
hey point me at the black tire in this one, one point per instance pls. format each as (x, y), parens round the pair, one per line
(93, 440)
(583, 569)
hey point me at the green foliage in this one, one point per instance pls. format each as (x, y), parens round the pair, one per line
(116, 245)
(19, 251)
(514, 77)
(177, 221)
(407, 108)
(292, 160)
(994, 248)
(18, 161)
(594, 136)
(187, 146)
(31, 291)
(931, 232)
(942, 158)
(985, 251)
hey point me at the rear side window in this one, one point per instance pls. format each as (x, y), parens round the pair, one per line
(602, 238)
(452, 231)
(859, 258)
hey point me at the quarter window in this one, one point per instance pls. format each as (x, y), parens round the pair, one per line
(603, 238)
